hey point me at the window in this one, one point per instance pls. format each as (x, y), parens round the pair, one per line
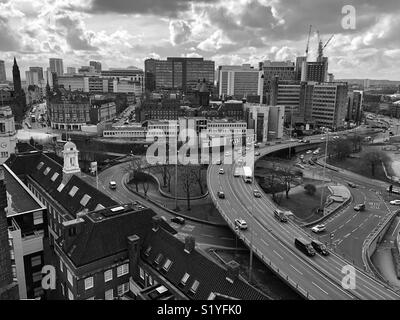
(36, 261)
(4, 154)
(40, 165)
(167, 265)
(85, 200)
(108, 275)
(88, 283)
(109, 295)
(37, 218)
(194, 286)
(141, 271)
(62, 290)
(185, 278)
(70, 278)
(37, 276)
(122, 270)
(73, 191)
(46, 171)
(60, 187)
(158, 259)
(123, 288)
(70, 295)
(61, 266)
(54, 177)
(147, 252)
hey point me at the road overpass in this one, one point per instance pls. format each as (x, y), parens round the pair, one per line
(318, 277)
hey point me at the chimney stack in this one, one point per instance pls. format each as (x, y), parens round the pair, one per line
(156, 223)
(232, 271)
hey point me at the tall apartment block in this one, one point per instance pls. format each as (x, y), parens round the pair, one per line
(2, 71)
(56, 66)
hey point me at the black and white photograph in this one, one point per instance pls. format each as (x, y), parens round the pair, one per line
(199, 158)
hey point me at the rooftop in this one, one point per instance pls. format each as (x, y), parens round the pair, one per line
(20, 198)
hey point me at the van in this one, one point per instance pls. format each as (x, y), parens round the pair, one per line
(305, 246)
(320, 247)
(280, 215)
(113, 185)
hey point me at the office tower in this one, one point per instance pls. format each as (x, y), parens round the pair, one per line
(176, 73)
(96, 65)
(239, 81)
(8, 288)
(366, 83)
(32, 78)
(56, 66)
(3, 77)
(354, 112)
(330, 104)
(71, 70)
(316, 71)
(299, 67)
(39, 71)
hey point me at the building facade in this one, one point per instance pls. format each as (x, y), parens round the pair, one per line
(8, 134)
(56, 66)
(3, 76)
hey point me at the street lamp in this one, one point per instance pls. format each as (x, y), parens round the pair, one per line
(324, 174)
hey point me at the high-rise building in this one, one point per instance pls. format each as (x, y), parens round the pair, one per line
(178, 73)
(239, 81)
(56, 66)
(71, 70)
(354, 112)
(3, 77)
(32, 78)
(96, 65)
(8, 287)
(366, 83)
(316, 71)
(38, 70)
(330, 103)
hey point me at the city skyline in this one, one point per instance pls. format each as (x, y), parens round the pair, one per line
(226, 32)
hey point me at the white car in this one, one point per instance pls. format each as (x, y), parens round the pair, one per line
(316, 152)
(221, 171)
(318, 228)
(309, 151)
(395, 202)
(241, 224)
(227, 154)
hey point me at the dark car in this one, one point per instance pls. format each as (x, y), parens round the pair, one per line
(320, 247)
(360, 207)
(352, 185)
(305, 246)
(221, 195)
(178, 220)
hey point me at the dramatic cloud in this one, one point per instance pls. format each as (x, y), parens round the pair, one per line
(179, 31)
(125, 32)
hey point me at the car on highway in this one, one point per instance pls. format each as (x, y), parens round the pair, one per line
(395, 202)
(113, 185)
(316, 151)
(320, 247)
(257, 193)
(323, 138)
(301, 156)
(257, 145)
(219, 162)
(221, 194)
(305, 246)
(336, 137)
(178, 220)
(221, 171)
(240, 162)
(352, 185)
(309, 151)
(280, 215)
(236, 174)
(306, 141)
(318, 228)
(241, 224)
(360, 207)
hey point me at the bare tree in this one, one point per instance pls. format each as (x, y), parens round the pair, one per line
(166, 171)
(289, 178)
(135, 169)
(356, 142)
(198, 176)
(373, 159)
(188, 180)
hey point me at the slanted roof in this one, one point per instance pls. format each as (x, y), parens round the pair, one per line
(28, 164)
(100, 238)
(210, 276)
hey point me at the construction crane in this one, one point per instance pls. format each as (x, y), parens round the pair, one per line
(321, 46)
(308, 42)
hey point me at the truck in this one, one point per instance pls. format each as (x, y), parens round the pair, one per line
(247, 175)
(33, 118)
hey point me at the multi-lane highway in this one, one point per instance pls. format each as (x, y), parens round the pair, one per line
(317, 277)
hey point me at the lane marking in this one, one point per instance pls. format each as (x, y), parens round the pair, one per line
(297, 270)
(278, 255)
(320, 288)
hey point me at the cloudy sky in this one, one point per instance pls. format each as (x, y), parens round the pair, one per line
(122, 33)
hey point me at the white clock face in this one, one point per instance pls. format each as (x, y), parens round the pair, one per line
(4, 145)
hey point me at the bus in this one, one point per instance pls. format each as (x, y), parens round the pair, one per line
(247, 175)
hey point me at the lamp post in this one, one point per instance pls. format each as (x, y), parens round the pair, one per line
(252, 217)
(324, 174)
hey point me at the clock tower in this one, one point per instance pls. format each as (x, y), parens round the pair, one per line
(8, 134)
